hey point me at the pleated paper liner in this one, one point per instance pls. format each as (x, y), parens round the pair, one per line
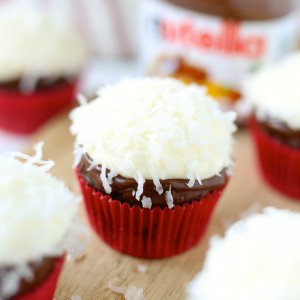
(279, 163)
(46, 289)
(24, 113)
(143, 232)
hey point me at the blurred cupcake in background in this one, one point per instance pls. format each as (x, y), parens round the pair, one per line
(38, 224)
(153, 159)
(274, 94)
(258, 258)
(40, 61)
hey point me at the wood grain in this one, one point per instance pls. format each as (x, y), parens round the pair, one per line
(165, 278)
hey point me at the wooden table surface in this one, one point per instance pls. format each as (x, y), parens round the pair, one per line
(165, 278)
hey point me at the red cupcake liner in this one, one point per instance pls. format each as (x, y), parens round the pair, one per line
(46, 290)
(143, 232)
(279, 163)
(24, 113)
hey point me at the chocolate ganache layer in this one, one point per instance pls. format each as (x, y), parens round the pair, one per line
(123, 188)
(40, 270)
(281, 132)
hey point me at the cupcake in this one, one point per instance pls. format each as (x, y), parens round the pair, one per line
(40, 60)
(37, 223)
(152, 160)
(274, 94)
(258, 258)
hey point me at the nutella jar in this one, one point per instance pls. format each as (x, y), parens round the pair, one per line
(215, 42)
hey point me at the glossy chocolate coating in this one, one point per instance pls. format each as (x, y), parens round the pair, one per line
(41, 270)
(281, 132)
(123, 188)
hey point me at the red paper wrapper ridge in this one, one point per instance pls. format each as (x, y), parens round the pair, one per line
(147, 233)
(24, 113)
(46, 290)
(279, 163)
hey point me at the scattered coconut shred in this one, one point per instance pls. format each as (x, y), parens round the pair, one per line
(142, 268)
(76, 297)
(142, 137)
(130, 293)
(33, 180)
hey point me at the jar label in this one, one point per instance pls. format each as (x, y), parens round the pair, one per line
(227, 50)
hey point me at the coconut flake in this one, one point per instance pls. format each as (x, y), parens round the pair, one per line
(140, 188)
(199, 180)
(130, 293)
(169, 198)
(157, 184)
(36, 159)
(28, 84)
(104, 180)
(116, 289)
(191, 182)
(77, 240)
(92, 165)
(78, 152)
(142, 268)
(111, 175)
(134, 293)
(81, 99)
(10, 280)
(146, 202)
(75, 297)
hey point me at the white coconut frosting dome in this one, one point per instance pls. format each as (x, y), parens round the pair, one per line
(34, 44)
(258, 258)
(155, 128)
(275, 91)
(36, 212)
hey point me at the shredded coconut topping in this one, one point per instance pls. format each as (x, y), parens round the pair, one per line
(258, 258)
(158, 128)
(36, 211)
(275, 91)
(37, 44)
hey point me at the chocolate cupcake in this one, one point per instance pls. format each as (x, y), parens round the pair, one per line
(40, 61)
(153, 159)
(258, 258)
(37, 213)
(275, 125)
